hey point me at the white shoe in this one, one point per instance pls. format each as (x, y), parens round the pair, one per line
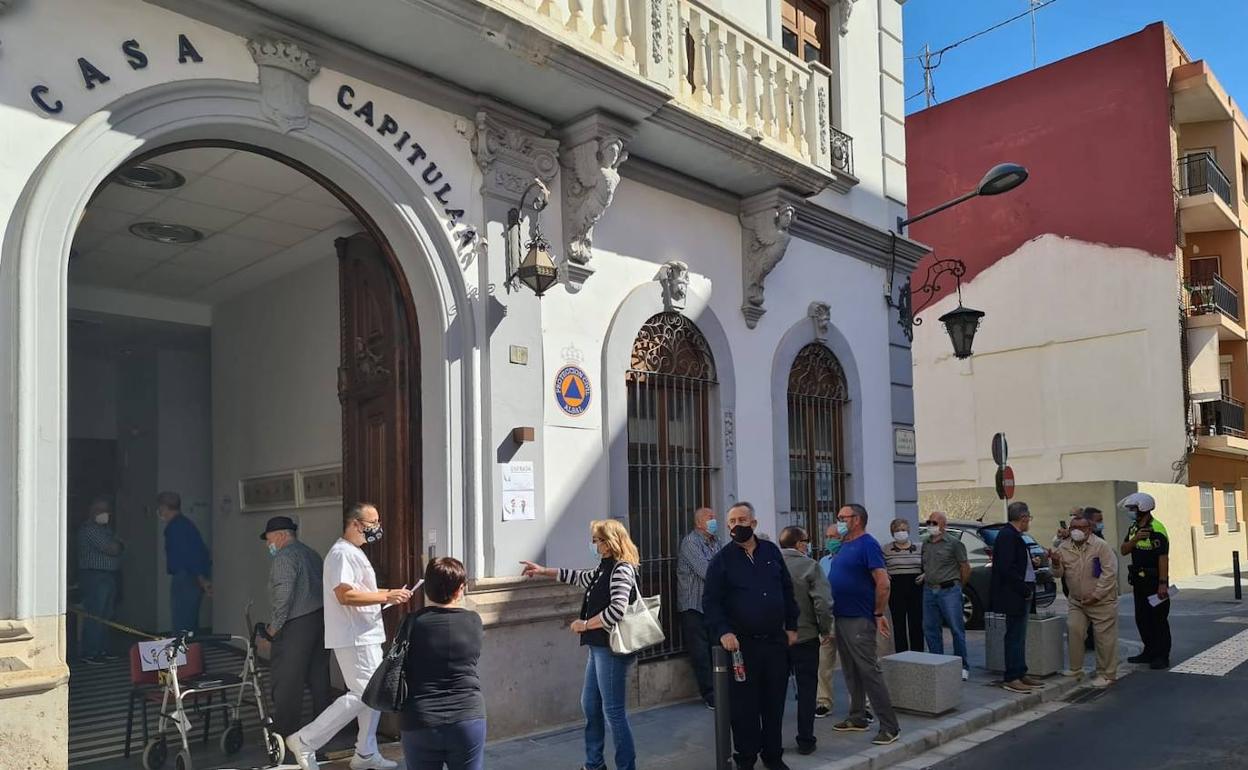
(1100, 682)
(374, 761)
(966, 675)
(1071, 672)
(304, 757)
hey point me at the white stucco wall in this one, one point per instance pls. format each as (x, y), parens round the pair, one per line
(1077, 360)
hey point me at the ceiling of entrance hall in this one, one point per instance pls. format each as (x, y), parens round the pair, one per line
(260, 219)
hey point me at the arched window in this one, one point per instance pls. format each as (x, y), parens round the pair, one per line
(671, 381)
(818, 403)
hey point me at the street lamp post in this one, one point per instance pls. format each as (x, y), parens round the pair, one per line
(962, 322)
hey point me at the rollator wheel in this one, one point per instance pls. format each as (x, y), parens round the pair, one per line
(183, 761)
(232, 739)
(155, 753)
(275, 747)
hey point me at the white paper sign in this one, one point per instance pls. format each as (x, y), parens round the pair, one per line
(519, 503)
(518, 476)
(153, 655)
(519, 506)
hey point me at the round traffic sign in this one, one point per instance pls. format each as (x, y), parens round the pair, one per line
(1005, 483)
(1000, 450)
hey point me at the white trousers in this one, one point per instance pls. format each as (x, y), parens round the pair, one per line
(357, 665)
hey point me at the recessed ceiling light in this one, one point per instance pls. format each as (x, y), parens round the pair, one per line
(149, 176)
(166, 233)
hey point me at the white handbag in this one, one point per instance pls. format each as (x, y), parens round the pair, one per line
(639, 628)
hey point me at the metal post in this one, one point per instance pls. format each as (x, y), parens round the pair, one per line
(1239, 589)
(721, 666)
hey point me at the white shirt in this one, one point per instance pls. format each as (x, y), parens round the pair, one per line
(346, 564)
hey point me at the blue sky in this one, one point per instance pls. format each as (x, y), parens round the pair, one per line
(1213, 30)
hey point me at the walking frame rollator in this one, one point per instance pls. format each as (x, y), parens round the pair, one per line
(173, 712)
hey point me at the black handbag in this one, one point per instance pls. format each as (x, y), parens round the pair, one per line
(387, 689)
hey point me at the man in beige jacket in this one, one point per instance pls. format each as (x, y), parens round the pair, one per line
(1091, 570)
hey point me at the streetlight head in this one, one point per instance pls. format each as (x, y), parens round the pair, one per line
(962, 323)
(1002, 177)
(537, 270)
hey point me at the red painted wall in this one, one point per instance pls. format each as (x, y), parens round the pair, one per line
(1094, 132)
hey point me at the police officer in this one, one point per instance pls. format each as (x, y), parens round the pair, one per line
(1148, 544)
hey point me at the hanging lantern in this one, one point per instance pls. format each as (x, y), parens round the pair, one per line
(537, 270)
(962, 323)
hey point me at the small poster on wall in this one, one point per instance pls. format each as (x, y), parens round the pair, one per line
(519, 502)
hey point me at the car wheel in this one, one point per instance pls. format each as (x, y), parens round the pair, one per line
(972, 609)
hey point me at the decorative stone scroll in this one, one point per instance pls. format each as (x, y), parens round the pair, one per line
(820, 314)
(765, 222)
(674, 277)
(847, 9)
(591, 156)
(285, 71)
(511, 157)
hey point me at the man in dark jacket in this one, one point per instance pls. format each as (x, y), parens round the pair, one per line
(1013, 579)
(749, 607)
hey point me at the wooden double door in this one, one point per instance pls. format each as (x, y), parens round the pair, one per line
(378, 387)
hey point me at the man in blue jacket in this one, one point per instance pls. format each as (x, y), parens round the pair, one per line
(186, 560)
(749, 606)
(1013, 580)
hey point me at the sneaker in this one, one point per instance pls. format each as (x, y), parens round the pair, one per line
(884, 737)
(849, 726)
(806, 748)
(1101, 682)
(374, 761)
(822, 711)
(777, 764)
(1141, 658)
(710, 704)
(1017, 686)
(304, 757)
(1159, 664)
(870, 717)
(966, 675)
(1034, 684)
(1070, 672)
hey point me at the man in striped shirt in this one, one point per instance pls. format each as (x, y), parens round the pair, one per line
(696, 552)
(99, 572)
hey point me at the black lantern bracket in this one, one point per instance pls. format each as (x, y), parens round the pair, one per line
(537, 195)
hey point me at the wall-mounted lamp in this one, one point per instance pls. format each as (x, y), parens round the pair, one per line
(537, 268)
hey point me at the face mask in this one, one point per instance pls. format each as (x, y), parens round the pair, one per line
(712, 526)
(1099, 528)
(842, 529)
(933, 530)
(902, 536)
(1078, 535)
(272, 550)
(832, 545)
(101, 518)
(742, 534)
(593, 548)
(372, 535)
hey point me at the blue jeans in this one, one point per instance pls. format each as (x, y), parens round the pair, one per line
(944, 606)
(458, 746)
(184, 598)
(1015, 646)
(99, 598)
(606, 685)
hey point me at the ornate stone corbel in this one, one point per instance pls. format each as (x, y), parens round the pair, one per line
(765, 220)
(674, 278)
(285, 70)
(591, 157)
(847, 9)
(511, 156)
(820, 314)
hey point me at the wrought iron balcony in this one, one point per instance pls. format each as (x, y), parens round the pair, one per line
(1224, 417)
(1213, 295)
(1199, 174)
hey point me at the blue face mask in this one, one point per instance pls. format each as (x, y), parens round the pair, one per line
(832, 546)
(712, 526)
(593, 548)
(842, 529)
(1099, 528)
(272, 550)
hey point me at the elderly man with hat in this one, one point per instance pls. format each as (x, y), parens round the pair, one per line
(296, 625)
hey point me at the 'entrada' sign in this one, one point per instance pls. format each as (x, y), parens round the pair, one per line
(93, 76)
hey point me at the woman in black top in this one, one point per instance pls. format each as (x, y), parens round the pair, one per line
(444, 717)
(608, 590)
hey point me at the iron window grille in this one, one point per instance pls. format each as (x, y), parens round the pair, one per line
(818, 401)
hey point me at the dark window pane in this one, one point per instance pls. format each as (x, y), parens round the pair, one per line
(811, 53)
(789, 41)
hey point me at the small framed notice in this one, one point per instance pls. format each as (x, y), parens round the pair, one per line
(903, 442)
(519, 502)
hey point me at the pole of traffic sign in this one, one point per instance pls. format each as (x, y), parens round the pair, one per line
(721, 665)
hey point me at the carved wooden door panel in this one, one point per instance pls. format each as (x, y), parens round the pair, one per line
(376, 386)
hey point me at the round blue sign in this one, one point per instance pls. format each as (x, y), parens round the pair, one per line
(572, 390)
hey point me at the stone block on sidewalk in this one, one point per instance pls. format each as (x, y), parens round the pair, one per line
(923, 682)
(1046, 654)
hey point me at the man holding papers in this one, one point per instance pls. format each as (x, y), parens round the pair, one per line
(354, 631)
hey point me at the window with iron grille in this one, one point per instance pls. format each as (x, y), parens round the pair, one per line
(818, 399)
(1207, 517)
(671, 385)
(1232, 510)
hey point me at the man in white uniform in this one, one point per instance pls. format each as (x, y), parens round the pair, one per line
(354, 631)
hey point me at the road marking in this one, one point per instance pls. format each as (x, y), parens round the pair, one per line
(1242, 620)
(1218, 660)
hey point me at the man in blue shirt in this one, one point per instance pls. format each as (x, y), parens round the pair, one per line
(749, 606)
(860, 588)
(186, 560)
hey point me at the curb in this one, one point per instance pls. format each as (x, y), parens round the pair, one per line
(952, 728)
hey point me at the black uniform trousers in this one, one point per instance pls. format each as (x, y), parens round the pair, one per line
(1152, 622)
(758, 702)
(299, 658)
(698, 643)
(905, 602)
(804, 660)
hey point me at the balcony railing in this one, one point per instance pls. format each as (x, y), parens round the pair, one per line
(1224, 417)
(1213, 296)
(1199, 174)
(709, 65)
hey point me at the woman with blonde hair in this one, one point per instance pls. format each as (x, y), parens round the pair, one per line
(609, 588)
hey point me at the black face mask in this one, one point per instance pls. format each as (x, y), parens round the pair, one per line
(742, 534)
(372, 535)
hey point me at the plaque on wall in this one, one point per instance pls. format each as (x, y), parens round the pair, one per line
(321, 485)
(266, 493)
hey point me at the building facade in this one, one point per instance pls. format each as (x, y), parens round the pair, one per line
(263, 254)
(1112, 349)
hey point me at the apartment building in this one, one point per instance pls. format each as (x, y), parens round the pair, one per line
(1113, 350)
